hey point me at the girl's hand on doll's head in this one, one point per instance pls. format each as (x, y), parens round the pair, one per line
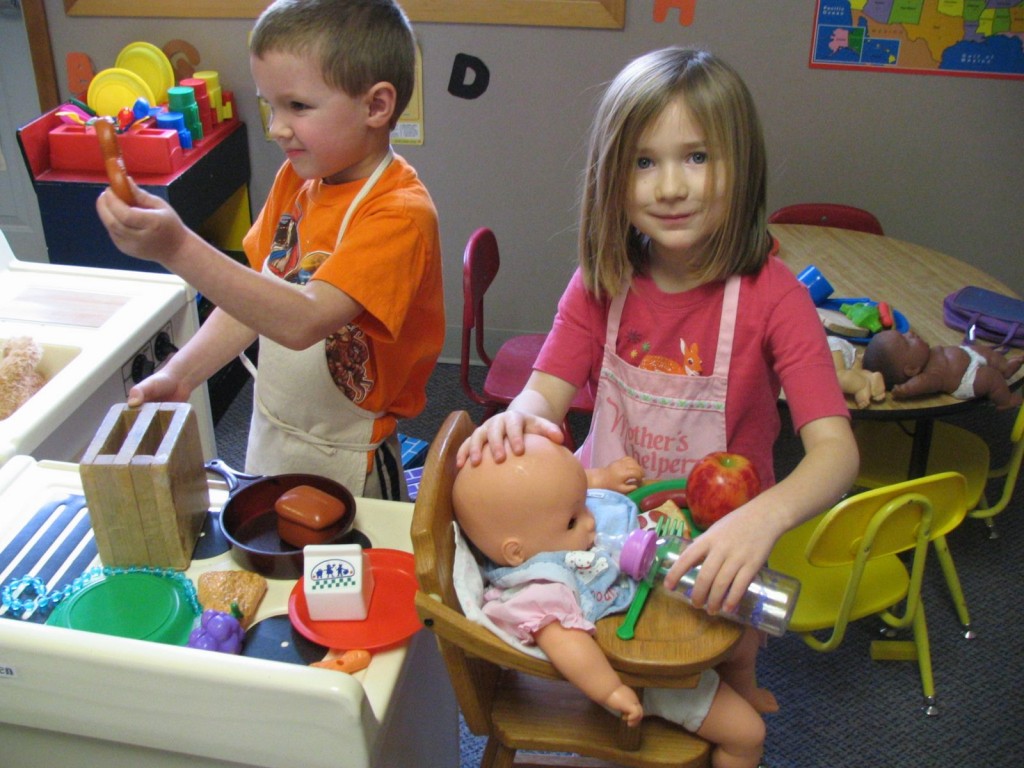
(730, 554)
(507, 426)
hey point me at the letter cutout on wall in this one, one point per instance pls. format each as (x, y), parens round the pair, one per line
(687, 9)
(472, 89)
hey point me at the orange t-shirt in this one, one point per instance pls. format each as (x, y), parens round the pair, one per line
(389, 261)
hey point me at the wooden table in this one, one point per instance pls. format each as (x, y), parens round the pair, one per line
(913, 280)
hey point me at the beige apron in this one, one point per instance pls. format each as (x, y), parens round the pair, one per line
(667, 422)
(295, 422)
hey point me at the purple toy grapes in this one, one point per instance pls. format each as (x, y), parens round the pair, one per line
(217, 631)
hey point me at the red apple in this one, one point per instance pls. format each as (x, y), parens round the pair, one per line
(718, 484)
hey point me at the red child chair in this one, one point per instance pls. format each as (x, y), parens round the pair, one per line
(511, 366)
(828, 215)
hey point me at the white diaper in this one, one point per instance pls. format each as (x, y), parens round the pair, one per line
(966, 389)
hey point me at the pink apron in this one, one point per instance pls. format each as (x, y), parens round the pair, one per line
(667, 422)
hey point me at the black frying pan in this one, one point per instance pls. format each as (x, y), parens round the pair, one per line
(249, 521)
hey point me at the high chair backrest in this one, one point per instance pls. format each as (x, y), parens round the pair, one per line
(473, 654)
(889, 520)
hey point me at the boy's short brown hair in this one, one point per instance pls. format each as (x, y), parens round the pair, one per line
(358, 42)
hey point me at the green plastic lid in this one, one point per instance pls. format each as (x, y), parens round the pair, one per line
(142, 606)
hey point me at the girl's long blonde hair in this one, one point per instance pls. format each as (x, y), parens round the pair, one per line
(610, 249)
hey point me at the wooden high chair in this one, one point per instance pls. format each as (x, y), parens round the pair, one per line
(521, 702)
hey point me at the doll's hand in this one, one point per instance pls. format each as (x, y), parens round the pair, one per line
(865, 386)
(624, 701)
(622, 475)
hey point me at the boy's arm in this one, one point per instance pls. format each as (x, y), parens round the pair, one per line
(579, 658)
(218, 341)
(295, 318)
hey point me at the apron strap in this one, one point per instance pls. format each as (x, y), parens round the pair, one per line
(363, 192)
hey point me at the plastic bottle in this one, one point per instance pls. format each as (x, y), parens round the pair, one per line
(767, 606)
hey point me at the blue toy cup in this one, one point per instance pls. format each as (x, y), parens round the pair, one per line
(819, 288)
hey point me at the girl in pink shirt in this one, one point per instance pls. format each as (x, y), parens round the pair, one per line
(685, 323)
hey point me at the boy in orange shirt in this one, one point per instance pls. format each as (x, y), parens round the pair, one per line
(345, 294)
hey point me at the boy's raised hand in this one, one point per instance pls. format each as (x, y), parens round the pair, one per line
(148, 229)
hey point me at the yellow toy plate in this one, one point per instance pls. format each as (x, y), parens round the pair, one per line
(151, 64)
(111, 90)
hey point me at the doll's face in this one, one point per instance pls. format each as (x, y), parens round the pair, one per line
(525, 505)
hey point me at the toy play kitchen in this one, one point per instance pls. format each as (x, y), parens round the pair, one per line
(110, 699)
(101, 330)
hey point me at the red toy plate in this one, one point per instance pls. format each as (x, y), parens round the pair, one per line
(392, 616)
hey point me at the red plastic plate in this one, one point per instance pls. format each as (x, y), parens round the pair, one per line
(390, 620)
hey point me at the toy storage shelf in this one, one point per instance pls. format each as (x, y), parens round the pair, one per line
(198, 183)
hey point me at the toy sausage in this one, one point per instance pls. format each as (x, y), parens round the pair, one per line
(113, 162)
(885, 314)
(656, 499)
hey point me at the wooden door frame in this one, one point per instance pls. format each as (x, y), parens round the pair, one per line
(42, 54)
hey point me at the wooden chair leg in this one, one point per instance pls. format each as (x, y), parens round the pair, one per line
(497, 755)
(628, 738)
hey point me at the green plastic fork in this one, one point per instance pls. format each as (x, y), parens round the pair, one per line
(665, 526)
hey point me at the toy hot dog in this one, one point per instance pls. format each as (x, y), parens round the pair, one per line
(113, 162)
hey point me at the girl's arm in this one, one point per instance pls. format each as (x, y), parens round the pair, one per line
(578, 657)
(737, 546)
(539, 408)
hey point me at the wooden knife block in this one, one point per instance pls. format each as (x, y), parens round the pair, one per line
(145, 485)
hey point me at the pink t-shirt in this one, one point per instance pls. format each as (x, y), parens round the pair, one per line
(780, 344)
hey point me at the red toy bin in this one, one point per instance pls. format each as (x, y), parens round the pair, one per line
(144, 150)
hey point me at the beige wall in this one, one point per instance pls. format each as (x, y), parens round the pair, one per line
(939, 159)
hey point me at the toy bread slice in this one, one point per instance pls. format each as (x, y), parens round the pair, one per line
(836, 322)
(219, 589)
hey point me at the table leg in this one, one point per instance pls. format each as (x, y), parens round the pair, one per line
(919, 448)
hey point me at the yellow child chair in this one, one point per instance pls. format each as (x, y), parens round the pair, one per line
(953, 449)
(847, 560)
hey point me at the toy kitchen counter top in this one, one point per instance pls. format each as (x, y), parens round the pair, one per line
(113, 700)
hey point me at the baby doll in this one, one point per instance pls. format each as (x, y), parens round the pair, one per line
(910, 367)
(865, 386)
(19, 379)
(549, 577)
